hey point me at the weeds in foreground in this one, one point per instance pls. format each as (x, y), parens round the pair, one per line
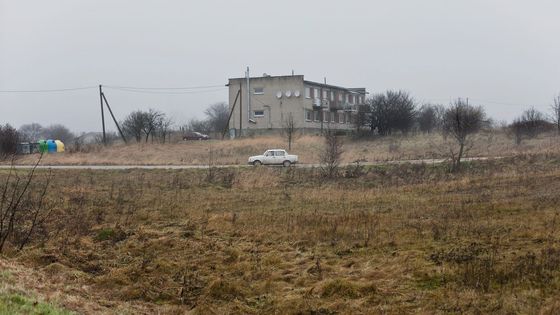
(396, 238)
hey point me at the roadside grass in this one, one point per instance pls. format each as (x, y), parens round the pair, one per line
(235, 152)
(400, 238)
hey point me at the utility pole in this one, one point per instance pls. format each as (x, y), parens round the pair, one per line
(102, 114)
(231, 113)
(240, 110)
(248, 97)
(321, 108)
(114, 119)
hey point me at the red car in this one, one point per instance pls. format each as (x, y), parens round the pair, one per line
(195, 136)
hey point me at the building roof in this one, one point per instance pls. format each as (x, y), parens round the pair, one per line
(353, 90)
(265, 76)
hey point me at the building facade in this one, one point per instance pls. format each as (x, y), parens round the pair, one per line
(265, 105)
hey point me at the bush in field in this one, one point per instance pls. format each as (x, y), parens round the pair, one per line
(529, 125)
(391, 111)
(331, 155)
(460, 121)
(140, 125)
(429, 118)
(23, 210)
(9, 139)
(556, 113)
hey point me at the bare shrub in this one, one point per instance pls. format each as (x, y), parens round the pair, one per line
(460, 121)
(289, 130)
(529, 125)
(9, 139)
(429, 118)
(23, 209)
(331, 155)
(555, 107)
(391, 111)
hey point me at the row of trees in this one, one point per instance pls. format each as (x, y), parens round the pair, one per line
(397, 111)
(10, 136)
(34, 132)
(142, 126)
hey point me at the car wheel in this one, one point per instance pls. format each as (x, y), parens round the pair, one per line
(287, 163)
(257, 163)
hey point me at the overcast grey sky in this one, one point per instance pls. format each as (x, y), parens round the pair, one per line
(502, 54)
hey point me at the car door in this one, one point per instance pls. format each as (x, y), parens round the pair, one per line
(268, 157)
(279, 157)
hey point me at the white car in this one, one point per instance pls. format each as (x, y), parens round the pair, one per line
(274, 157)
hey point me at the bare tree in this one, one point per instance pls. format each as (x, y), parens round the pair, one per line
(32, 132)
(152, 119)
(361, 118)
(140, 124)
(217, 116)
(9, 139)
(289, 129)
(461, 120)
(429, 118)
(58, 132)
(556, 113)
(529, 125)
(391, 111)
(331, 154)
(133, 125)
(163, 128)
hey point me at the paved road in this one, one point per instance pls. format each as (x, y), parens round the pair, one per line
(180, 167)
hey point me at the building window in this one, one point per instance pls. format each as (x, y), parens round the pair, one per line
(308, 115)
(332, 96)
(325, 94)
(351, 99)
(307, 92)
(325, 116)
(316, 93)
(341, 117)
(333, 118)
(258, 91)
(258, 113)
(316, 113)
(340, 96)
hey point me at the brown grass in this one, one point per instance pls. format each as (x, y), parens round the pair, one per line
(234, 152)
(398, 239)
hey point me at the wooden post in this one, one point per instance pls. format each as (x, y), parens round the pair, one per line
(102, 114)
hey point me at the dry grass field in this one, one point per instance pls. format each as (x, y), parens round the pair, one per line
(380, 240)
(234, 152)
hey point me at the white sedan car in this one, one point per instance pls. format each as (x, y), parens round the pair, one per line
(274, 157)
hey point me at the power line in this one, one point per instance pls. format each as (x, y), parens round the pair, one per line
(164, 88)
(49, 90)
(164, 92)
